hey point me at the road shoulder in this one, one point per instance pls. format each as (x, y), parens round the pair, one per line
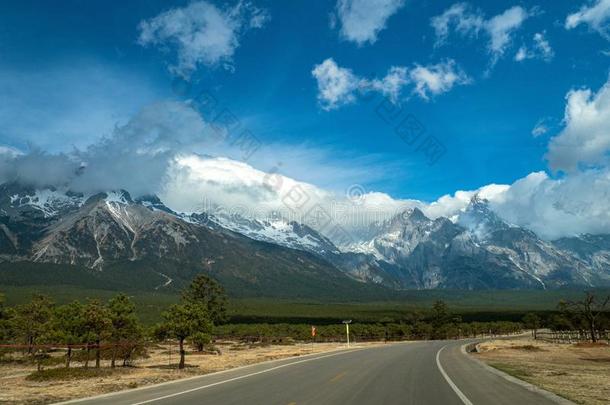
(530, 387)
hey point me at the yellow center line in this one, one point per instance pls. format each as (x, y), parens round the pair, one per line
(338, 377)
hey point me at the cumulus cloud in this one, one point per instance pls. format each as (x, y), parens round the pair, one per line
(336, 85)
(468, 22)
(201, 33)
(161, 150)
(554, 208)
(362, 20)
(390, 85)
(540, 49)
(595, 15)
(137, 155)
(585, 140)
(437, 79)
(462, 18)
(220, 185)
(134, 157)
(339, 86)
(501, 28)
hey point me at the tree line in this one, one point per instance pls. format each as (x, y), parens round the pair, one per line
(111, 330)
(438, 323)
(92, 331)
(587, 316)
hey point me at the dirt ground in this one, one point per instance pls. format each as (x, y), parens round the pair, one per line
(579, 372)
(15, 388)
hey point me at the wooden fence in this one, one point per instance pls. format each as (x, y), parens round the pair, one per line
(572, 336)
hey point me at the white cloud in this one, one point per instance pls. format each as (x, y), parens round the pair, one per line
(390, 85)
(541, 127)
(585, 140)
(202, 33)
(540, 49)
(553, 208)
(595, 15)
(156, 152)
(362, 20)
(501, 27)
(136, 156)
(338, 86)
(9, 151)
(462, 17)
(437, 79)
(466, 21)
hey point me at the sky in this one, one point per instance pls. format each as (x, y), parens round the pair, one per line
(399, 102)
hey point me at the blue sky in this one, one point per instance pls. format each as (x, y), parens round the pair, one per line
(71, 71)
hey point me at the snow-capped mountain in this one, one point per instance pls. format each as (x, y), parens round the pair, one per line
(125, 241)
(474, 250)
(285, 233)
(480, 250)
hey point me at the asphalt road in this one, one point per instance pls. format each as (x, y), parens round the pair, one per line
(419, 373)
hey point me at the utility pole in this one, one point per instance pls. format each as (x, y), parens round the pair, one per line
(347, 322)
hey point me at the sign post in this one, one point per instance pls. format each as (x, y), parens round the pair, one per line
(313, 336)
(347, 322)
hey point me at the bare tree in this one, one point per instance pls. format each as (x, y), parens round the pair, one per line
(588, 310)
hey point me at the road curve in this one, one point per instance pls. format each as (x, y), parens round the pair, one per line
(406, 373)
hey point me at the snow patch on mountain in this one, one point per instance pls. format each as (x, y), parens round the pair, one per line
(49, 202)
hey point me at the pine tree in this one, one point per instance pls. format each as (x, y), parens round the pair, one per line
(208, 292)
(125, 329)
(32, 320)
(532, 321)
(69, 327)
(97, 326)
(183, 321)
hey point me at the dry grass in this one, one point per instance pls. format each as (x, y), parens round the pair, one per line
(17, 388)
(579, 372)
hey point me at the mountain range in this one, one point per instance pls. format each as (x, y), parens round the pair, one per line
(111, 239)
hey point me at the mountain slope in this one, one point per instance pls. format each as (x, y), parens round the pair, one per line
(479, 251)
(111, 233)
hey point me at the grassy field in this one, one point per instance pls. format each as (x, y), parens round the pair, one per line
(579, 372)
(22, 384)
(471, 305)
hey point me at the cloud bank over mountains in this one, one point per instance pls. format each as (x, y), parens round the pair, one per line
(153, 153)
(170, 149)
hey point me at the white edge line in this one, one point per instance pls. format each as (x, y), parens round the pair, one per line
(530, 387)
(175, 394)
(454, 387)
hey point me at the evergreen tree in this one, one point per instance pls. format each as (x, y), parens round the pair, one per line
(440, 319)
(69, 327)
(532, 321)
(97, 326)
(32, 320)
(209, 293)
(125, 331)
(183, 321)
